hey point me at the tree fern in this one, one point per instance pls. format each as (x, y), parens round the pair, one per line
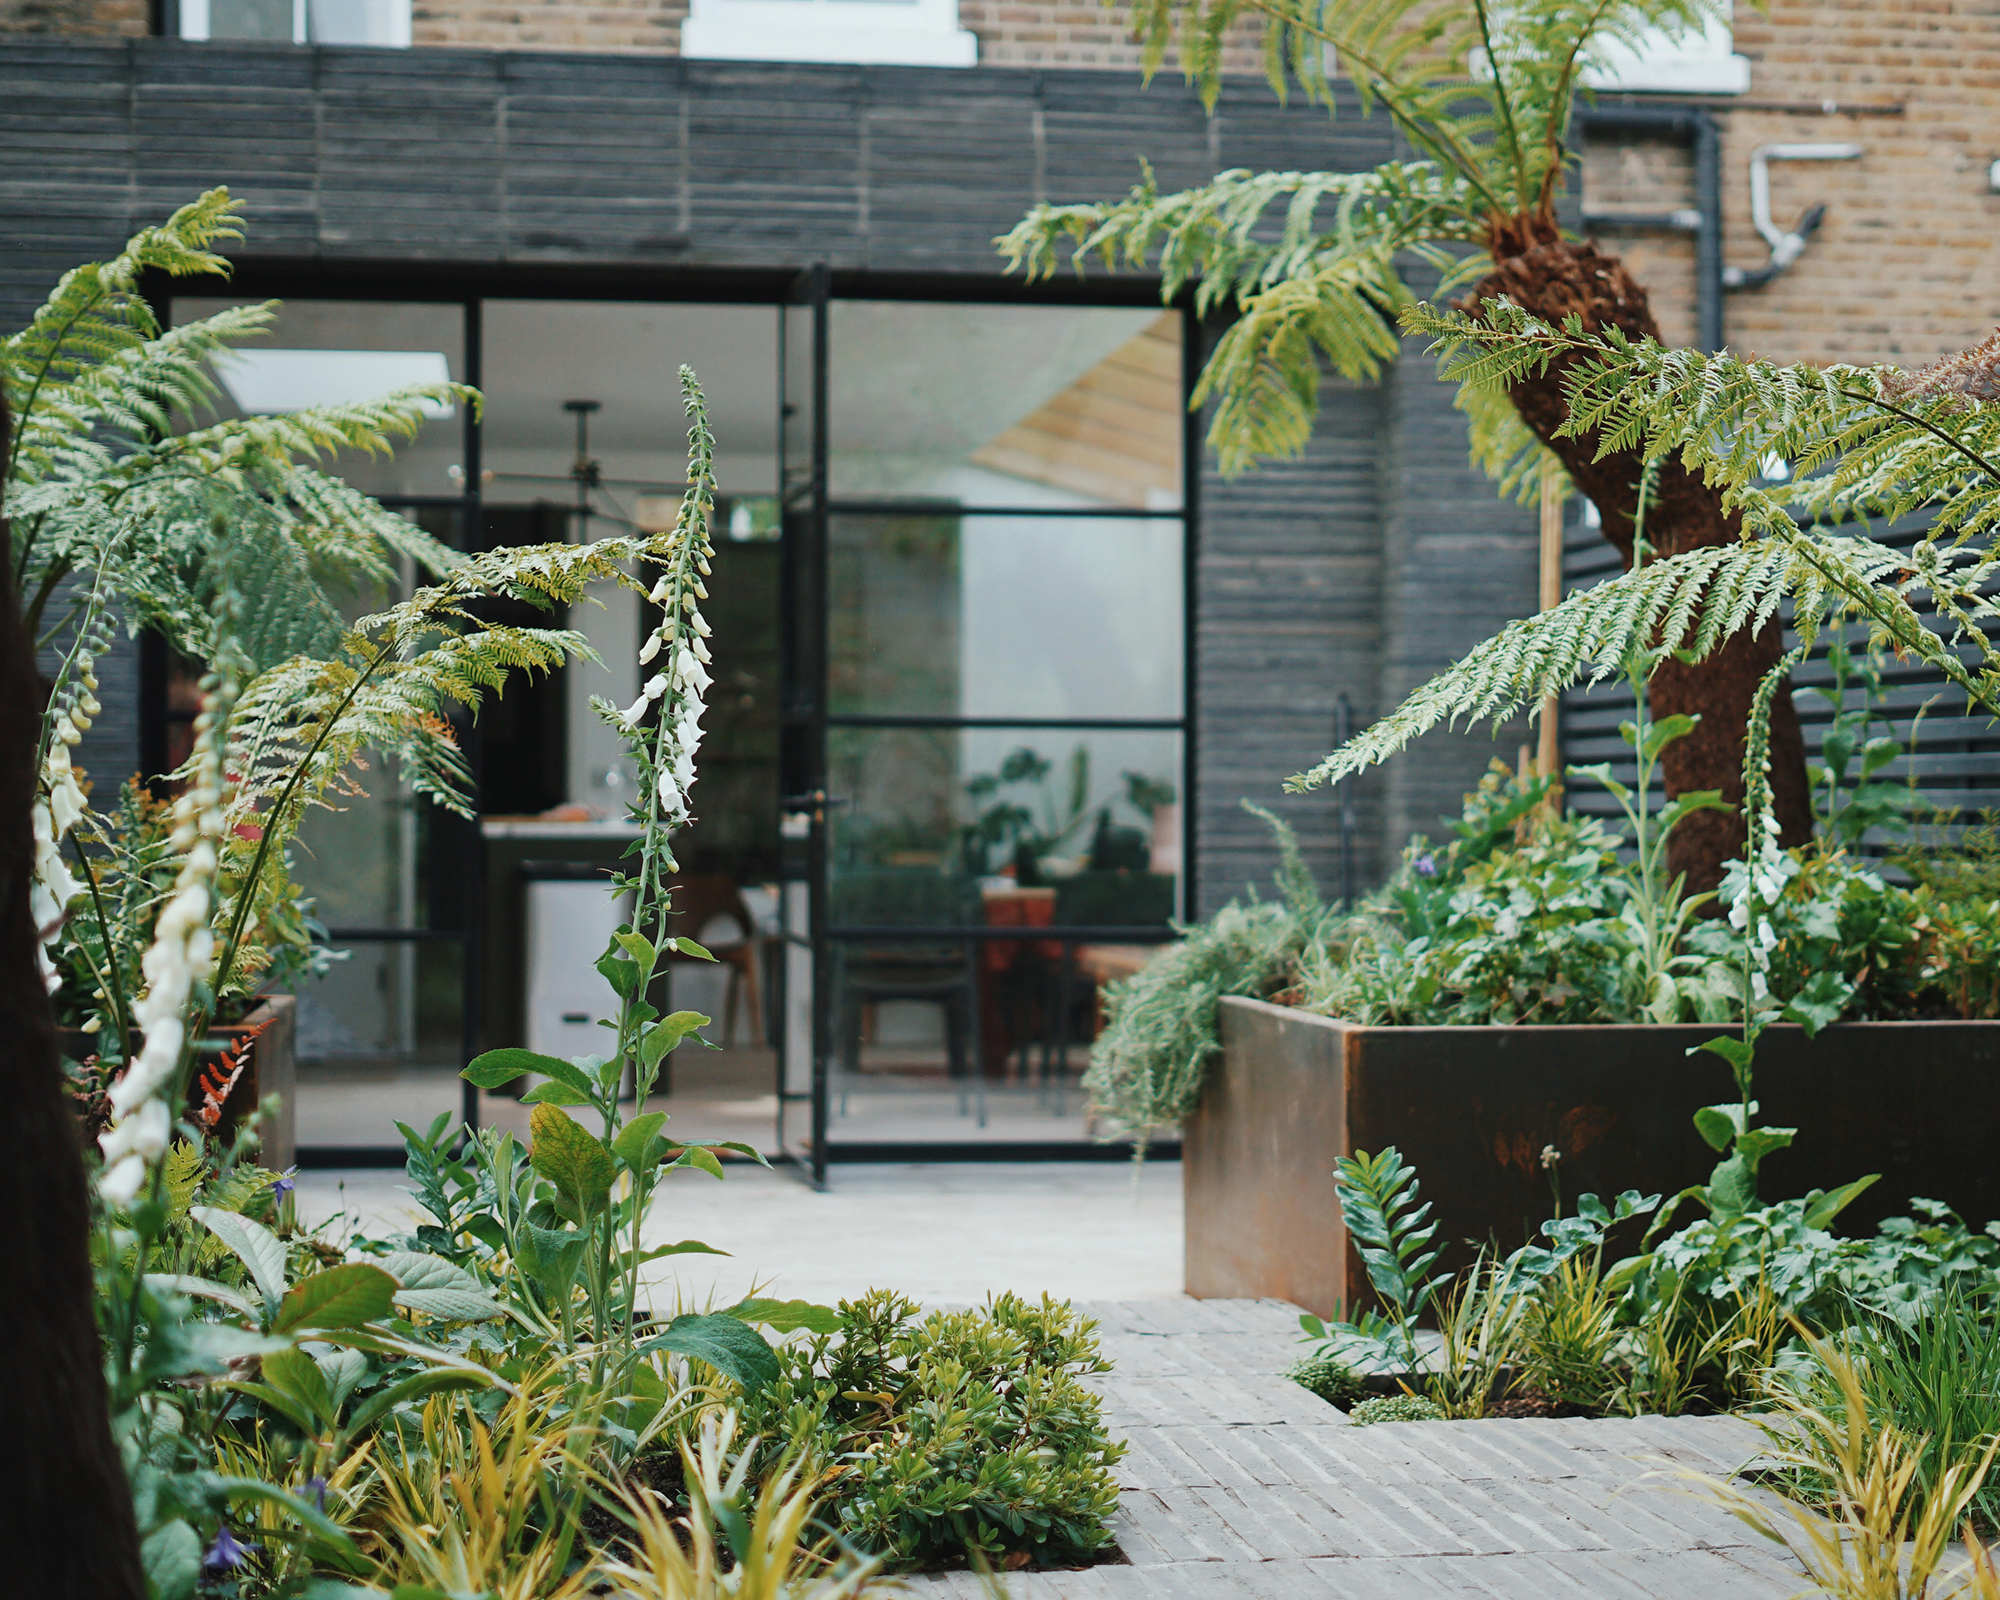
(1314, 263)
(1864, 446)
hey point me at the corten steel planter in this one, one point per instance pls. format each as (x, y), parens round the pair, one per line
(1472, 1109)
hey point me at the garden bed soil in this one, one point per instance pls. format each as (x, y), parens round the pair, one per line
(1473, 1110)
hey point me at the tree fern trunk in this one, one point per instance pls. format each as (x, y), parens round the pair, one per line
(1555, 278)
(70, 1509)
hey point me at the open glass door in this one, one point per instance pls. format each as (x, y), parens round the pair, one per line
(802, 351)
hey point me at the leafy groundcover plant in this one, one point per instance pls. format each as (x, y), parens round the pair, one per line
(962, 1435)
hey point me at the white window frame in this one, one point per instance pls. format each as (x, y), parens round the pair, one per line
(905, 33)
(1703, 63)
(393, 34)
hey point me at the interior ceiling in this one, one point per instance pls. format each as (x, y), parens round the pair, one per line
(1113, 434)
(936, 381)
(1082, 398)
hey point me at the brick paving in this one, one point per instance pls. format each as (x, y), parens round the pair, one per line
(1239, 1482)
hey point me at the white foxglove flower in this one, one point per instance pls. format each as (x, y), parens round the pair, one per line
(690, 671)
(651, 648)
(670, 793)
(701, 651)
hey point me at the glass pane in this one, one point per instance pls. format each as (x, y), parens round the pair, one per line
(250, 19)
(321, 351)
(1005, 405)
(380, 1041)
(997, 616)
(953, 827)
(584, 437)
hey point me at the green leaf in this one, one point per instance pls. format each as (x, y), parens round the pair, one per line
(259, 1249)
(726, 1343)
(620, 973)
(668, 1032)
(439, 1288)
(550, 1256)
(639, 948)
(788, 1316)
(496, 1067)
(1664, 732)
(1719, 1125)
(701, 1156)
(340, 1297)
(638, 1144)
(1754, 1144)
(1736, 1052)
(555, 1094)
(181, 1283)
(688, 947)
(684, 1247)
(1601, 774)
(315, 1520)
(578, 1165)
(1822, 1208)
(171, 1557)
(1732, 1188)
(294, 1373)
(1821, 1002)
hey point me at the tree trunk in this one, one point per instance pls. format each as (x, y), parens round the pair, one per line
(1553, 278)
(70, 1509)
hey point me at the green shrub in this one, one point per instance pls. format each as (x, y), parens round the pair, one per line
(965, 1431)
(1332, 1379)
(1396, 1408)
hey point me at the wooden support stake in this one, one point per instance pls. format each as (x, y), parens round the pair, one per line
(1551, 596)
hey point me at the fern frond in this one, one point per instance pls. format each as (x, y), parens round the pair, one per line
(1320, 288)
(1688, 602)
(95, 312)
(1871, 455)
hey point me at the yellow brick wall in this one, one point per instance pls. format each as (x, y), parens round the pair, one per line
(91, 19)
(1011, 33)
(1905, 266)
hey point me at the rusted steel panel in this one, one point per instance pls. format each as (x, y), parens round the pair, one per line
(1473, 1109)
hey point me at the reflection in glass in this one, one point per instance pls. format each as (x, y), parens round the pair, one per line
(1005, 405)
(998, 616)
(938, 821)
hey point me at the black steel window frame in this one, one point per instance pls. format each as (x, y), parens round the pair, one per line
(469, 284)
(821, 720)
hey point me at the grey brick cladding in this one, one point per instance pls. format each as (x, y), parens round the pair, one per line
(1354, 569)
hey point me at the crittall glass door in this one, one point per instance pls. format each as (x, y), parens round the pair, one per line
(986, 525)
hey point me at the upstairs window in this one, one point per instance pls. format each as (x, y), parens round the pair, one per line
(1697, 63)
(904, 33)
(381, 22)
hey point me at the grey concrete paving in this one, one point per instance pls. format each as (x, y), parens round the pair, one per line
(1239, 1483)
(942, 1233)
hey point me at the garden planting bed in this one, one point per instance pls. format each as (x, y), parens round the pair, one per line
(1474, 1110)
(1239, 1482)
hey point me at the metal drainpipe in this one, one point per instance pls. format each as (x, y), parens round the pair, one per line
(1708, 237)
(1698, 128)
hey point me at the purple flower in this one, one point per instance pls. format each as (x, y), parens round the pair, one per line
(1426, 867)
(286, 1183)
(227, 1553)
(316, 1487)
